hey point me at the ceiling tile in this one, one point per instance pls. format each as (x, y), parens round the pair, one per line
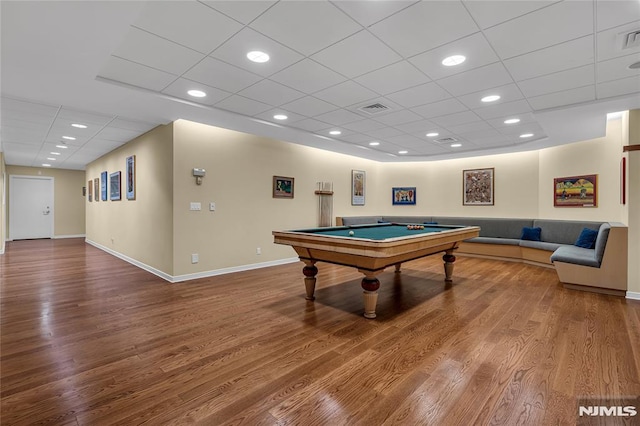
(356, 55)
(566, 97)
(407, 141)
(309, 106)
(339, 117)
(456, 119)
(188, 23)
(364, 125)
(407, 33)
(422, 127)
(308, 76)
(524, 118)
(270, 92)
(500, 110)
(181, 86)
(12, 134)
(139, 126)
(123, 71)
(368, 12)
(615, 69)
(531, 127)
(478, 79)
(475, 48)
(613, 13)
(302, 25)
(27, 110)
(618, 87)
(221, 75)
(155, 52)
(345, 94)
(569, 79)
(243, 11)
(385, 132)
(525, 34)
(358, 138)
(393, 78)
(490, 13)
(242, 105)
(476, 126)
(419, 95)
(435, 109)
(507, 93)
(610, 42)
(234, 51)
(398, 117)
(292, 117)
(116, 134)
(572, 54)
(310, 125)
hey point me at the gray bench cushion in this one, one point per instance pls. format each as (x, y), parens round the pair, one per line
(576, 256)
(540, 245)
(407, 219)
(360, 220)
(489, 227)
(563, 231)
(601, 241)
(493, 240)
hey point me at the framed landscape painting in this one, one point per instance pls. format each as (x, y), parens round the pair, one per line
(114, 186)
(283, 187)
(575, 191)
(358, 178)
(403, 196)
(477, 187)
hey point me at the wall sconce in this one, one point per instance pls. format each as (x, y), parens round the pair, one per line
(199, 174)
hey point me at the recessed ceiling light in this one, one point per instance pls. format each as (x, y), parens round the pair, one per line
(46, 165)
(526, 135)
(257, 56)
(196, 93)
(456, 145)
(51, 159)
(374, 143)
(335, 132)
(634, 66)
(62, 146)
(453, 60)
(54, 153)
(512, 121)
(280, 117)
(491, 98)
(432, 134)
(70, 138)
(79, 126)
(403, 152)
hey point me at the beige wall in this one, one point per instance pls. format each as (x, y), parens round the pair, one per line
(3, 203)
(69, 214)
(141, 229)
(633, 194)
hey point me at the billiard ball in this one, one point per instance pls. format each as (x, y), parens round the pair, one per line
(351, 233)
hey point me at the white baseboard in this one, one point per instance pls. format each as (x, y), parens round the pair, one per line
(196, 275)
(633, 295)
(69, 236)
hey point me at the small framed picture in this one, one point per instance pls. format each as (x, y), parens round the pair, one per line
(103, 185)
(283, 187)
(90, 192)
(404, 196)
(114, 186)
(131, 178)
(358, 178)
(575, 191)
(477, 187)
(96, 188)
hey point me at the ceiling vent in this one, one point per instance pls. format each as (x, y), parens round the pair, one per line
(446, 140)
(374, 109)
(630, 40)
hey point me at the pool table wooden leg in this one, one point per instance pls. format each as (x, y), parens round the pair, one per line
(310, 271)
(370, 285)
(398, 265)
(448, 258)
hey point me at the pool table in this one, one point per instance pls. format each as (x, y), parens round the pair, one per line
(372, 248)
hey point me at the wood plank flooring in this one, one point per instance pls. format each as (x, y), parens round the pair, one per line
(87, 339)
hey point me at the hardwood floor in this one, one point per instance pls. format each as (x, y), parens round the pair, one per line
(87, 339)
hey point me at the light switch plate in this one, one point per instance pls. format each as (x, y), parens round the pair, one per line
(195, 207)
(212, 207)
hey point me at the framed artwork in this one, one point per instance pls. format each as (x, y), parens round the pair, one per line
(131, 178)
(103, 187)
(575, 191)
(477, 187)
(358, 180)
(623, 181)
(404, 196)
(96, 188)
(283, 187)
(114, 186)
(90, 192)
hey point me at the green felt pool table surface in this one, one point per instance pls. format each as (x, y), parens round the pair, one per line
(377, 232)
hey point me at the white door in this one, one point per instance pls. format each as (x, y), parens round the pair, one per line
(30, 207)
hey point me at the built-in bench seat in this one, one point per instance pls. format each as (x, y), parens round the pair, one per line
(602, 268)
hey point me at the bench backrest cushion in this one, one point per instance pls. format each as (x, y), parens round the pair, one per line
(407, 219)
(490, 227)
(360, 220)
(563, 231)
(601, 241)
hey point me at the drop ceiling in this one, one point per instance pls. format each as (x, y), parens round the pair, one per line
(369, 69)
